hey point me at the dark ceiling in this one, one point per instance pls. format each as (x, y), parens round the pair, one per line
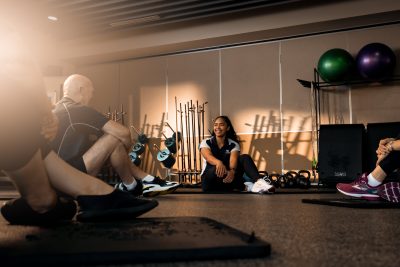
(79, 18)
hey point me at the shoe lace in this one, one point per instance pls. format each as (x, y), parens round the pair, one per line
(267, 179)
(361, 180)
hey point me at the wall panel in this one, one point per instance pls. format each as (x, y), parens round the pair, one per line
(251, 96)
(376, 102)
(105, 78)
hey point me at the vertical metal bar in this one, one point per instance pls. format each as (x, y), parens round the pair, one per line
(183, 143)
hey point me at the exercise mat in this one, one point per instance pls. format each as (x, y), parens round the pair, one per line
(353, 203)
(140, 240)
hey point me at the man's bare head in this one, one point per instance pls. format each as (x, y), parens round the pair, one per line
(79, 88)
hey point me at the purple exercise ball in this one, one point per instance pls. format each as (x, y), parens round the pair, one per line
(376, 61)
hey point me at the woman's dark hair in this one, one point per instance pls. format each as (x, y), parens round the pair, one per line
(231, 132)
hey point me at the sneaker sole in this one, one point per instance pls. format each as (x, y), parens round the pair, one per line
(116, 214)
(151, 193)
(363, 196)
(159, 191)
(390, 192)
(17, 211)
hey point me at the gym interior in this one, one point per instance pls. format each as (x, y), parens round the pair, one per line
(179, 64)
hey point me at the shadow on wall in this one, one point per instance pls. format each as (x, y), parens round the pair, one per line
(271, 149)
(266, 145)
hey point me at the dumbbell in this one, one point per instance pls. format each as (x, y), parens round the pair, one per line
(138, 148)
(170, 143)
(134, 158)
(174, 133)
(142, 138)
(165, 157)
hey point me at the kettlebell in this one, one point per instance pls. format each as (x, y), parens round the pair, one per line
(274, 177)
(303, 179)
(291, 179)
(282, 181)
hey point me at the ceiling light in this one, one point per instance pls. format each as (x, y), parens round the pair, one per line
(52, 18)
(134, 21)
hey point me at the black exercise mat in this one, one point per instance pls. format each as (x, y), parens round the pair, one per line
(353, 203)
(140, 240)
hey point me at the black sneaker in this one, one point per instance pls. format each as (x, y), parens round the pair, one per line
(158, 187)
(17, 211)
(117, 205)
(137, 191)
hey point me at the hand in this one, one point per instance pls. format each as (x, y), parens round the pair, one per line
(229, 177)
(220, 169)
(49, 126)
(384, 148)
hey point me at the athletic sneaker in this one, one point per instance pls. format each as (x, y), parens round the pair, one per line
(17, 211)
(390, 191)
(359, 188)
(262, 186)
(137, 191)
(158, 187)
(118, 205)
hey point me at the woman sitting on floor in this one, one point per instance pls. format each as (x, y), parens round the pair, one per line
(223, 166)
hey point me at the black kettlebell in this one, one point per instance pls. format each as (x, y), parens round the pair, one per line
(291, 179)
(282, 181)
(274, 177)
(303, 179)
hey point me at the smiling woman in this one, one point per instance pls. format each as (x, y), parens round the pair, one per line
(224, 167)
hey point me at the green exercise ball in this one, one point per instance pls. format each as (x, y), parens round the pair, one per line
(336, 65)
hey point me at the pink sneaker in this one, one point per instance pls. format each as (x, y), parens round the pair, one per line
(390, 191)
(359, 188)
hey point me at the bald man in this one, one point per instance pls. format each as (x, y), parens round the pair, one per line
(79, 124)
(38, 173)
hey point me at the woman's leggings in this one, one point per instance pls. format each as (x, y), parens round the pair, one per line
(391, 162)
(210, 181)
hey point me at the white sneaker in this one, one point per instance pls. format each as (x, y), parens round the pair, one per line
(158, 187)
(262, 187)
(248, 186)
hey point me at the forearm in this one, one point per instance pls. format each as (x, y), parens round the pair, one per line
(209, 157)
(233, 160)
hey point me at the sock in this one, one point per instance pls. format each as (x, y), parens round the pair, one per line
(249, 186)
(148, 178)
(372, 181)
(132, 185)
